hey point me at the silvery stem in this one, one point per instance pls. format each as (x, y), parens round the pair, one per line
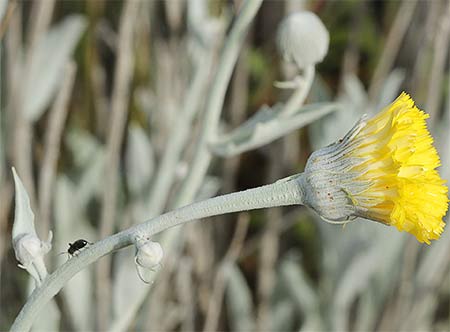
(298, 97)
(281, 193)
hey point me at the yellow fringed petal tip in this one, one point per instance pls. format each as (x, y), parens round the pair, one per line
(399, 164)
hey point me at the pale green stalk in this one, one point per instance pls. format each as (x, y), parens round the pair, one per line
(281, 193)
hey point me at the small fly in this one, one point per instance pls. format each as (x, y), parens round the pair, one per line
(75, 248)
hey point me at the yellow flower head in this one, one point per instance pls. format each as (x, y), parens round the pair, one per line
(384, 169)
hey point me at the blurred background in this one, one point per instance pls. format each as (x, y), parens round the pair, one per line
(104, 109)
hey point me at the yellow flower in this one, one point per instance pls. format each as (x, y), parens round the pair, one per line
(384, 169)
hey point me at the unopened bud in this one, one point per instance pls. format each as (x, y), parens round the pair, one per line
(28, 247)
(148, 258)
(303, 39)
(149, 254)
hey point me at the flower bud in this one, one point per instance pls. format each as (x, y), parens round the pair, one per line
(303, 39)
(149, 254)
(28, 247)
(148, 258)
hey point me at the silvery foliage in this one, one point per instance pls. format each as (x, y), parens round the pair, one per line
(29, 249)
(49, 57)
(268, 125)
(2, 137)
(356, 261)
(303, 39)
(89, 159)
(204, 30)
(42, 76)
(296, 286)
(3, 7)
(239, 298)
(139, 159)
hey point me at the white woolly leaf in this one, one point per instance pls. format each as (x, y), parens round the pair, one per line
(239, 301)
(48, 60)
(268, 125)
(139, 159)
(300, 287)
(210, 187)
(3, 7)
(391, 88)
(89, 156)
(283, 317)
(23, 215)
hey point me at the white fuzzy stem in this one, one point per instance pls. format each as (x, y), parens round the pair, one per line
(277, 194)
(281, 193)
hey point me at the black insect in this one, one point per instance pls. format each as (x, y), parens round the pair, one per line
(74, 248)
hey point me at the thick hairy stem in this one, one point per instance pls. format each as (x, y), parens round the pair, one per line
(280, 193)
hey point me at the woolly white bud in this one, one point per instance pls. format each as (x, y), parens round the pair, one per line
(148, 258)
(303, 39)
(149, 254)
(29, 249)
